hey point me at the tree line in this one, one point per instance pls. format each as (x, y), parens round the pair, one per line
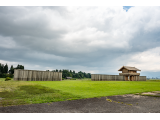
(5, 72)
(73, 74)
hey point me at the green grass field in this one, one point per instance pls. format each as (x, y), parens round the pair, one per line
(29, 92)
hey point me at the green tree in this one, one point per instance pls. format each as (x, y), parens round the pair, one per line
(69, 74)
(2, 68)
(66, 73)
(81, 74)
(11, 69)
(6, 68)
(73, 74)
(20, 67)
(85, 75)
(77, 75)
(89, 75)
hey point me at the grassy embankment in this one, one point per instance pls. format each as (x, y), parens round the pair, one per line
(29, 92)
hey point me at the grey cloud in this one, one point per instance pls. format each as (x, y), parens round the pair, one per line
(41, 41)
(145, 41)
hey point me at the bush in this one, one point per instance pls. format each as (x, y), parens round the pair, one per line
(4, 75)
(9, 75)
(7, 78)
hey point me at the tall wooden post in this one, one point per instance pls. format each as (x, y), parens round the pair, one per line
(126, 78)
(129, 78)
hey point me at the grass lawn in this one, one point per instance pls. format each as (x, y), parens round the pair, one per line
(28, 92)
(154, 79)
(2, 79)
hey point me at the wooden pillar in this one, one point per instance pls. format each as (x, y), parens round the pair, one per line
(126, 78)
(129, 78)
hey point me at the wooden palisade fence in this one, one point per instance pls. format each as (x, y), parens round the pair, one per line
(100, 77)
(34, 75)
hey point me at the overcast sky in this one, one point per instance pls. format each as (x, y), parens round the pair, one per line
(90, 39)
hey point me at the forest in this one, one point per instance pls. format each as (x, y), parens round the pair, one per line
(73, 74)
(5, 72)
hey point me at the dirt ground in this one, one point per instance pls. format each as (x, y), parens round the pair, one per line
(112, 104)
(154, 93)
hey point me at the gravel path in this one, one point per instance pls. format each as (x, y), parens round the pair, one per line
(111, 104)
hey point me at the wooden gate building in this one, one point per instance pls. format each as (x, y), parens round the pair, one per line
(130, 73)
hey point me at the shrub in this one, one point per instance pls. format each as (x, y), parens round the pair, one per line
(7, 78)
(4, 75)
(9, 75)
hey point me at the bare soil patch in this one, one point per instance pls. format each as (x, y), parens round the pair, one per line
(153, 93)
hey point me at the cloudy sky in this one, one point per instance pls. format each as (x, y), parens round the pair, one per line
(91, 39)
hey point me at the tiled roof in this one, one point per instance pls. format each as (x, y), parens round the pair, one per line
(129, 68)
